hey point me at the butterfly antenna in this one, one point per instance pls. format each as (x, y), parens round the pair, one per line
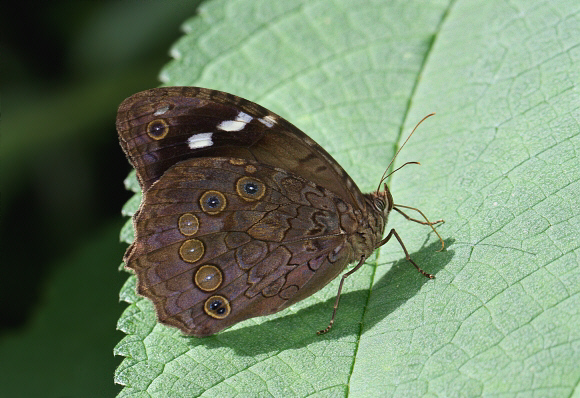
(385, 175)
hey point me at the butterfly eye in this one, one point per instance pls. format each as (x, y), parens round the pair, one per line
(157, 129)
(380, 204)
(212, 202)
(217, 307)
(250, 188)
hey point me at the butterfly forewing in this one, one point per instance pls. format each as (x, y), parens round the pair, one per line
(162, 126)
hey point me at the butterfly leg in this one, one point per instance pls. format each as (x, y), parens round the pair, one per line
(396, 235)
(352, 271)
(415, 220)
(426, 222)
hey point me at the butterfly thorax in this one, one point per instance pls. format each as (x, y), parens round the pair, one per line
(371, 225)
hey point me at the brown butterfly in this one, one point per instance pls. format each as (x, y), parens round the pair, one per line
(242, 213)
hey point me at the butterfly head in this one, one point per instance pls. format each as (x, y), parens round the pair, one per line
(383, 201)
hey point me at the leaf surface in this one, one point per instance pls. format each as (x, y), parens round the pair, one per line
(499, 164)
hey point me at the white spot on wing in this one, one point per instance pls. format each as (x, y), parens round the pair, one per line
(161, 110)
(235, 125)
(268, 121)
(201, 140)
(244, 117)
(231, 125)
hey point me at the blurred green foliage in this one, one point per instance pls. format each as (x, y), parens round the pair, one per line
(66, 67)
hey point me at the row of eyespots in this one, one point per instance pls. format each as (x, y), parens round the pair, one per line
(214, 202)
(208, 277)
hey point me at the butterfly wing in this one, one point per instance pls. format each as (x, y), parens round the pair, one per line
(226, 239)
(162, 126)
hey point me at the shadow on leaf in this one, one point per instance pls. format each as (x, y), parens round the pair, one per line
(297, 330)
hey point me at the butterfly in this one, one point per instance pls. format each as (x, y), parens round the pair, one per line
(242, 213)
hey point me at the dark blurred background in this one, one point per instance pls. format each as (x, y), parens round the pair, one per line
(66, 66)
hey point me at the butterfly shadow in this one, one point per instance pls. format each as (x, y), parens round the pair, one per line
(296, 330)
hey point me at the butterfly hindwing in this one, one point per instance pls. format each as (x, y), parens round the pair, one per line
(246, 238)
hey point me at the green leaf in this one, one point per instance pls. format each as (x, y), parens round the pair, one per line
(499, 164)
